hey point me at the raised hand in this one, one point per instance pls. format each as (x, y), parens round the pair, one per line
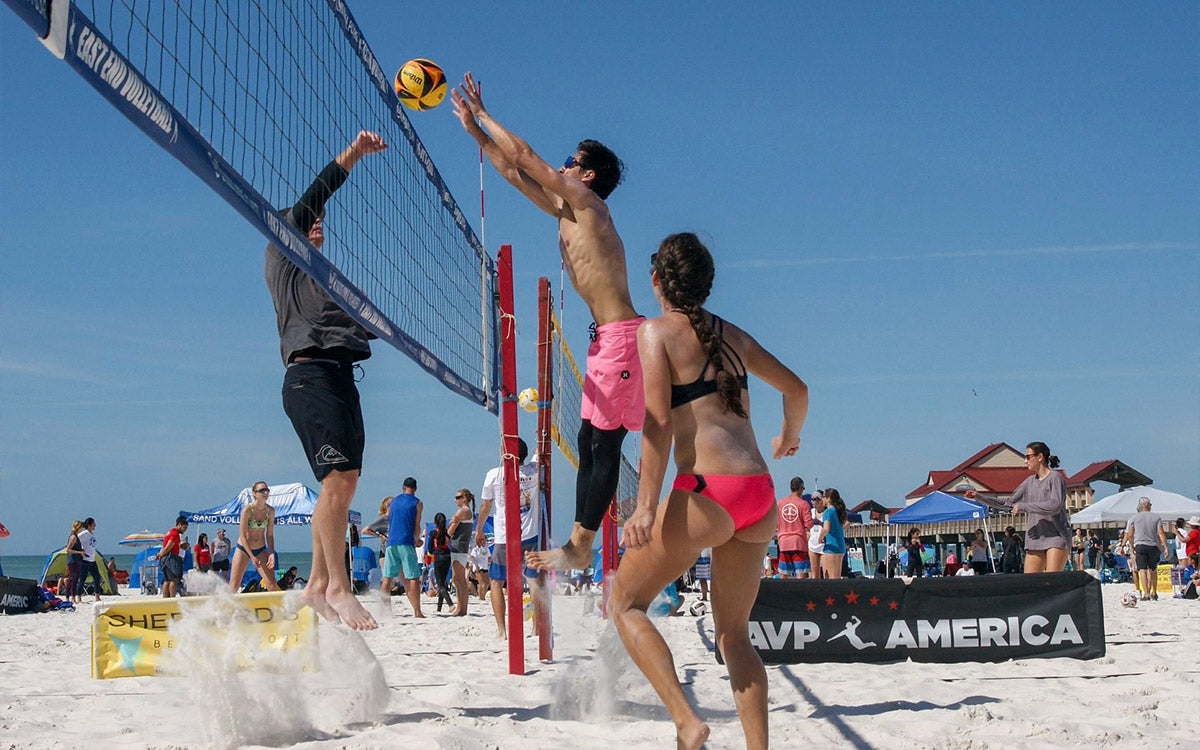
(367, 142)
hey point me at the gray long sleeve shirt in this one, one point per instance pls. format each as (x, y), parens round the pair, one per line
(311, 324)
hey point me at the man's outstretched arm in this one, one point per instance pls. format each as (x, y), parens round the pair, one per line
(518, 179)
(521, 154)
(308, 209)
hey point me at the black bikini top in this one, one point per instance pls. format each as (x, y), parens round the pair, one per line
(688, 392)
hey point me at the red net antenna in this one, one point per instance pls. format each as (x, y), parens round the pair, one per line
(512, 488)
(545, 389)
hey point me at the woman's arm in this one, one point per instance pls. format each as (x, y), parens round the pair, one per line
(457, 519)
(824, 531)
(656, 432)
(795, 395)
(270, 529)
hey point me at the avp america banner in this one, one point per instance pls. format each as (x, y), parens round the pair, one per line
(957, 619)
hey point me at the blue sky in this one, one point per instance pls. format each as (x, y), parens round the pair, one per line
(959, 223)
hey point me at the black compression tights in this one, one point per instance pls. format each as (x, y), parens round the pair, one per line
(599, 468)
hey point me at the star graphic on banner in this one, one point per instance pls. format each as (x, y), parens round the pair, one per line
(829, 601)
(128, 648)
(810, 606)
(852, 598)
(874, 600)
(893, 605)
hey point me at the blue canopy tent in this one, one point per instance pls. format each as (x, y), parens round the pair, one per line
(294, 505)
(942, 506)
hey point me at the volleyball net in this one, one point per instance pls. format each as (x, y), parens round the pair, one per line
(255, 97)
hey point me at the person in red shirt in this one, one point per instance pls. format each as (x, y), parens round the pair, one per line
(795, 521)
(171, 557)
(1193, 537)
(203, 554)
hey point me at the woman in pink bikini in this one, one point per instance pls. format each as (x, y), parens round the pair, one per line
(694, 367)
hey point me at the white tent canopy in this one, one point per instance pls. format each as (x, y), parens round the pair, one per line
(1121, 506)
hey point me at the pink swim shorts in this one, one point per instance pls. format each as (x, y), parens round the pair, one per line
(612, 389)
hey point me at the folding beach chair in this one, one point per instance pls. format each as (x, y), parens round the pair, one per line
(149, 575)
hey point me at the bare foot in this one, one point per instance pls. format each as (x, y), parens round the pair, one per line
(566, 557)
(691, 736)
(314, 597)
(350, 611)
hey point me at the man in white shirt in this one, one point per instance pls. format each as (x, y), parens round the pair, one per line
(965, 570)
(531, 523)
(87, 540)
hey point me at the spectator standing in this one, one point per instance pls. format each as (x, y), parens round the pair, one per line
(171, 558)
(400, 560)
(704, 571)
(481, 562)
(1179, 548)
(531, 521)
(1010, 554)
(88, 569)
(461, 525)
(833, 519)
(1093, 551)
(980, 554)
(203, 554)
(439, 545)
(1192, 545)
(815, 545)
(1078, 549)
(1144, 531)
(219, 554)
(916, 565)
(70, 590)
(795, 523)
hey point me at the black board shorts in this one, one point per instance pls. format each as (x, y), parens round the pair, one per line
(1146, 556)
(320, 398)
(172, 568)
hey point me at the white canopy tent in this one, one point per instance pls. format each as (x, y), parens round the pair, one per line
(1121, 506)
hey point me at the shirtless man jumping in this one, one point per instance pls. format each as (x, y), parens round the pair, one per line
(594, 256)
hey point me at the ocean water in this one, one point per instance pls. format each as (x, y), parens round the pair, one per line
(30, 566)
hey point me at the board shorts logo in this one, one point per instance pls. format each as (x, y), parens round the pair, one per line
(330, 455)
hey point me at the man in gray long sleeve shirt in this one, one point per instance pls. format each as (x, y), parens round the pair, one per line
(320, 343)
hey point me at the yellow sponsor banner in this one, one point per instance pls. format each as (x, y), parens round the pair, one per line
(1164, 579)
(131, 639)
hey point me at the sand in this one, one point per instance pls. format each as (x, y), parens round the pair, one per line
(443, 683)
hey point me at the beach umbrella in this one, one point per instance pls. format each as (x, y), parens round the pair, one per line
(3, 531)
(142, 539)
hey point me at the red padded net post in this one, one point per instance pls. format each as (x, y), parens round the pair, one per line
(512, 488)
(545, 389)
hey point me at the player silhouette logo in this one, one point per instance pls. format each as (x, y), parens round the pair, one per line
(851, 634)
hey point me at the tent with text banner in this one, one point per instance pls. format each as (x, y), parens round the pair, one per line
(942, 506)
(294, 505)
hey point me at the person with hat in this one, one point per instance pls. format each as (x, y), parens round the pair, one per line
(1192, 544)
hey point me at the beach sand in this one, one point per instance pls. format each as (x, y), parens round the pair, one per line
(443, 682)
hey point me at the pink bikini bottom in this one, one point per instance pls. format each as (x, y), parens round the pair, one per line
(747, 499)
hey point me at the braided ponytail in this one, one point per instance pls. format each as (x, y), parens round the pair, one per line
(685, 270)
